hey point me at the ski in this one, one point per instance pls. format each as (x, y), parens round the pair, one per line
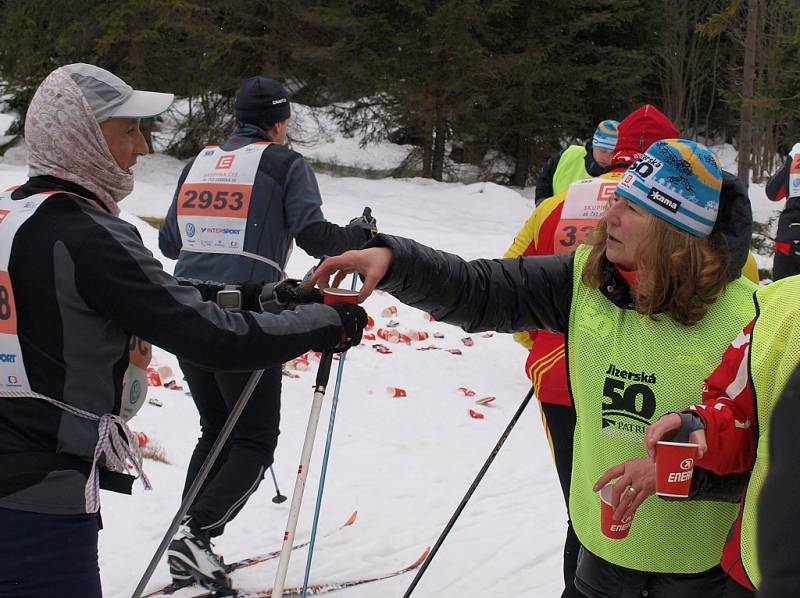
(319, 588)
(247, 562)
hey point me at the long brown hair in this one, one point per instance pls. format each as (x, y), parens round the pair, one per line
(677, 273)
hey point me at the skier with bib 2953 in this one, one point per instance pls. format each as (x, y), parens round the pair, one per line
(236, 210)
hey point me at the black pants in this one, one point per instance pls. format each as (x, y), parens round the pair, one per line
(249, 451)
(43, 556)
(597, 578)
(561, 427)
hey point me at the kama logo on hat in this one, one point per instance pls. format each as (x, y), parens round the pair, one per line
(664, 200)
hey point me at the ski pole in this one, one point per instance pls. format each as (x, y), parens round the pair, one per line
(194, 489)
(278, 498)
(469, 493)
(325, 456)
(323, 373)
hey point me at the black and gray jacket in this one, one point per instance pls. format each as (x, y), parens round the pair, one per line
(285, 205)
(84, 284)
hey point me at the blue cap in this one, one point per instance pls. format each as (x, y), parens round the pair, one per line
(678, 181)
(605, 136)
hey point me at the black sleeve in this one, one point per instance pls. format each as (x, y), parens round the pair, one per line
(778, 183)
(325, 238)
(707, 485)
(169, 238)
(778, 515)
(544, 181)
(507, 295)
(119, 278)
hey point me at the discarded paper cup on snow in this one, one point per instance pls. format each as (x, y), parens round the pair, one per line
(332, 295)
(389, 312)
(615, 530)
(674, 467)
(153, 379)
(395, 391)
(165, 373)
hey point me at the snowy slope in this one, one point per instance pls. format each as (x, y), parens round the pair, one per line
(403, 463)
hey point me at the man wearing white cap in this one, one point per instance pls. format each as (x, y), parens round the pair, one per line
(76, 285)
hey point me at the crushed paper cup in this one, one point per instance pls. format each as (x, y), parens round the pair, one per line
(417, 335)
(392, 324)
(165, 373)
(153, 379)
(368, 336)
(615, 530)
(428, 317)
(486, 401)
(299, 363)
(467, 392)
(454, 351)
(487, 335)
(289, 374)
(389, 312)
(370, 323)
(438, 335)
(395, 391)
(468, 342)
(476, 414)
(381, 348)
(155, 401)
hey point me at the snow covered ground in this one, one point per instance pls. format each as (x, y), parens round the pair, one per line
(403, 463)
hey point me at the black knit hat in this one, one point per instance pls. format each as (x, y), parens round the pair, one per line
(262, 102)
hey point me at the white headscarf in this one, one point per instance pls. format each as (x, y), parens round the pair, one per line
(65, 141)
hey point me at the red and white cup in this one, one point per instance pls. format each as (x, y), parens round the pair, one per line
(611, 528)
(333, 295)
(153, 379)
(394, 391)
(674, 468)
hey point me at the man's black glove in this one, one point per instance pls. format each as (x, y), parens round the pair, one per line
(367, 222)
(289, 293)
(354, 319)
(251, 292)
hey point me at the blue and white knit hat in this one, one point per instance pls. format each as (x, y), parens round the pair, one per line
(605, 136)
(679, 181)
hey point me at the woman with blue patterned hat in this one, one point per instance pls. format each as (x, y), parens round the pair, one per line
(648, 308)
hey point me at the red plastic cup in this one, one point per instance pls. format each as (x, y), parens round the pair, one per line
(674, 467)
(395, 391)
(615, 530)
(332, 295)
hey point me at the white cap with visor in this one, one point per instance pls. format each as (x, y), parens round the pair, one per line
(110, 97)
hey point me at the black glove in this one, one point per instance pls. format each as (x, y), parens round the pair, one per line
(289, 293)
(367, 222)
(251, 291)
(354, 319)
